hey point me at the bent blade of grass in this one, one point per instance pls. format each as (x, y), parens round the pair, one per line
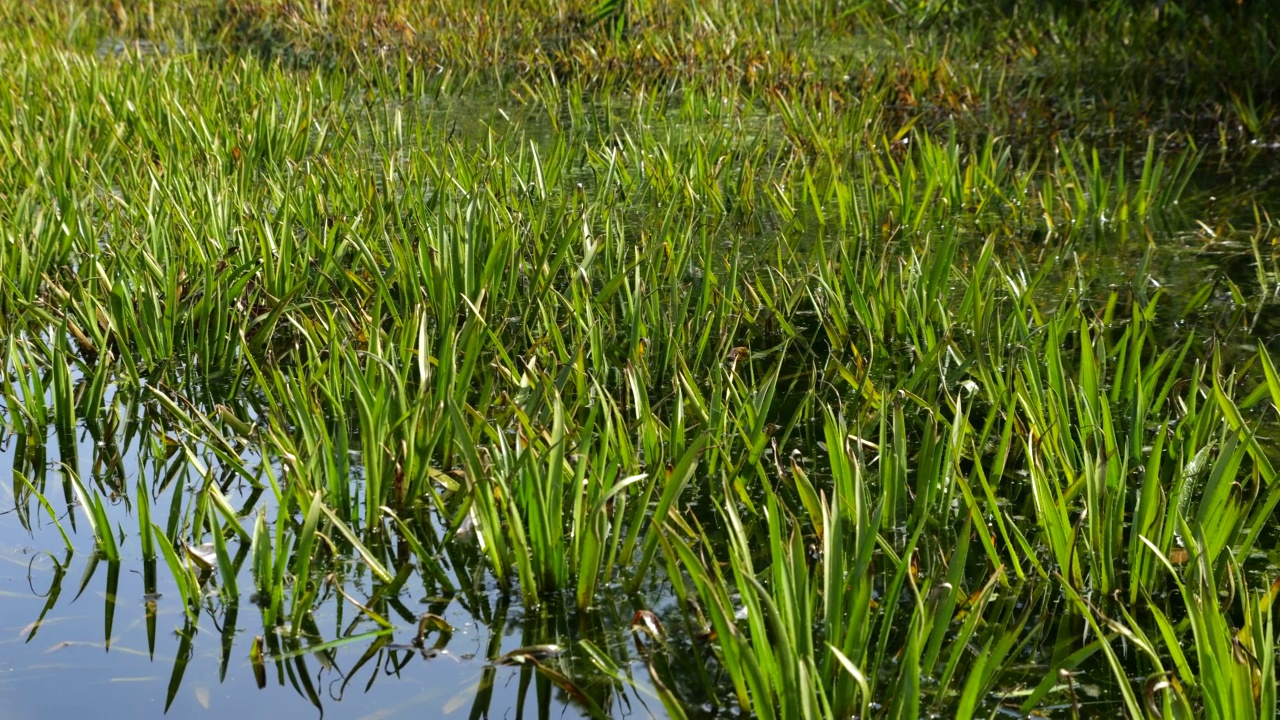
(183, 576)
(1104, 643)
(96, 514)
(375, 565)
(66, 541)
(676, 481)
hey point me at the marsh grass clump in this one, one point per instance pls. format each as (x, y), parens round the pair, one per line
(812, 361)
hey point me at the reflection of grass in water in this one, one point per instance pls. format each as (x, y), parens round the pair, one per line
(836, 387)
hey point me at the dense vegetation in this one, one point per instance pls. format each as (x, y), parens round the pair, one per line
(878, 359)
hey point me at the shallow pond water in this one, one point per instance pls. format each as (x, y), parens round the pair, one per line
(79, 633)
(443, 639)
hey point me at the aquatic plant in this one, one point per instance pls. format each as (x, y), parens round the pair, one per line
(813, 395)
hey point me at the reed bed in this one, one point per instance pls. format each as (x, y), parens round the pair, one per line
(811, 317)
